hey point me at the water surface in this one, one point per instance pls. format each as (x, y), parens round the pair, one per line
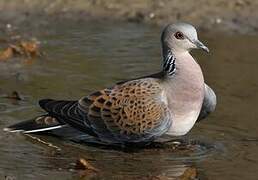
(87, 56)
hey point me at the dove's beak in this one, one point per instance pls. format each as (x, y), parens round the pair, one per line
(200, 45)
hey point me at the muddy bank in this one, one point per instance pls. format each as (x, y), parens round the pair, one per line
(232, 16)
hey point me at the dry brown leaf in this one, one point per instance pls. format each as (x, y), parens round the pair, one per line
(30, 48)
(6, 54)
(190, 173)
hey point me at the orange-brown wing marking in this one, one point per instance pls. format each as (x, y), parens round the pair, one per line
(132, 108)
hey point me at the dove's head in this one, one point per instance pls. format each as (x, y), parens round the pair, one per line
(180, 37)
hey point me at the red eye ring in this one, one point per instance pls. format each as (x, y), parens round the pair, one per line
(179, 35)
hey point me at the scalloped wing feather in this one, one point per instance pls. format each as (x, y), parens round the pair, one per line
(129, 112)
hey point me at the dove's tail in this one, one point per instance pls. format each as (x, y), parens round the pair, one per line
(40, 124)
(48, 125)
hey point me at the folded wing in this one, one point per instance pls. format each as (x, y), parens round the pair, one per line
(129, 112)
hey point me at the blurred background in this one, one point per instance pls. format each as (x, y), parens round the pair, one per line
(65, 49)
(234, 15)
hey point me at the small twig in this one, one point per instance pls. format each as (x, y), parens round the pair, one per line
(82, 164)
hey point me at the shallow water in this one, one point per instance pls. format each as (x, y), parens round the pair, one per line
(87, 56)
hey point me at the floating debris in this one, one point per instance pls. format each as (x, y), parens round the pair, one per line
(6, 54)
(82, 164)
(152, 15)
(85, 168)
(8, 26)
(159, 177)
(49, 144)
(190, 173)
(14, 95)
(9, 178)
(28, 49)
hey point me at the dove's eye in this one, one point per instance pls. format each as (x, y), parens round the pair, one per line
(179, 35)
